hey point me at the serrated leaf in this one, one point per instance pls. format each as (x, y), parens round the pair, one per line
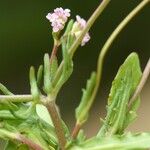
(67, 67)
(123, 87)
(82, 110)
(126, 142)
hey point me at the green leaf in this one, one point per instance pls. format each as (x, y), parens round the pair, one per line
(33, 84)
(39, 75)
(15, 146)
(67, 67)
(123, 87)
(69, 27)
(53, 67)
(132, 112)
(5, 90)
(43, 113)
(47, 80)
(10, 146)
(82, 110)
(126, 142)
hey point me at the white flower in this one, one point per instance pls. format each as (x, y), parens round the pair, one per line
(58, 18)
(77, 28)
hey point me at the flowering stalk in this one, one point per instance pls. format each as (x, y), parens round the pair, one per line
(75, 45)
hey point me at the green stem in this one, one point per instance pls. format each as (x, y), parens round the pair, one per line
(16, 98)
(76, 44)
(111, 39)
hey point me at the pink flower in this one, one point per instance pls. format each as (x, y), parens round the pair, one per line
(85, 39)
(58, 18)
(78, 26)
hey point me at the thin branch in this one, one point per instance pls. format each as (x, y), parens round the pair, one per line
(143, 80)
(16, 98)
(51, 106)
(76, 130)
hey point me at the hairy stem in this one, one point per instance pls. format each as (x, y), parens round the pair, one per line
(51, 106)
(54, 52)
(143, 80)
(16, 98)
(76, 44)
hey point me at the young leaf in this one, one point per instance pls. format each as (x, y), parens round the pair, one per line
(39, 75)
(47, 80)
(123, 87)
(69, 27)
(53, 67)
(67, 67)
(5, 90)
(82, 110)
(33, 84)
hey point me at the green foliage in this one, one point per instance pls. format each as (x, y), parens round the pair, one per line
(116, 142)
(34, 122)
(118, 114)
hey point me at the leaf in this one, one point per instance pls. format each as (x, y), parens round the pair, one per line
(33, 84)
(5, 90)
(47, 80)
(53, 67)
(10, 146)
(43, 113)
(125, 142)
(122, 89)
(39, 75)
(82, 110)
(15, 146)
(132, 115)
(69, 27)
(67, 67)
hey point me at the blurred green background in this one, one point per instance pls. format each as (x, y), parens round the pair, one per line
(25, 35)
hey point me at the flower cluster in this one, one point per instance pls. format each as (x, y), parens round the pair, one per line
(58, 18)
(78, 26)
